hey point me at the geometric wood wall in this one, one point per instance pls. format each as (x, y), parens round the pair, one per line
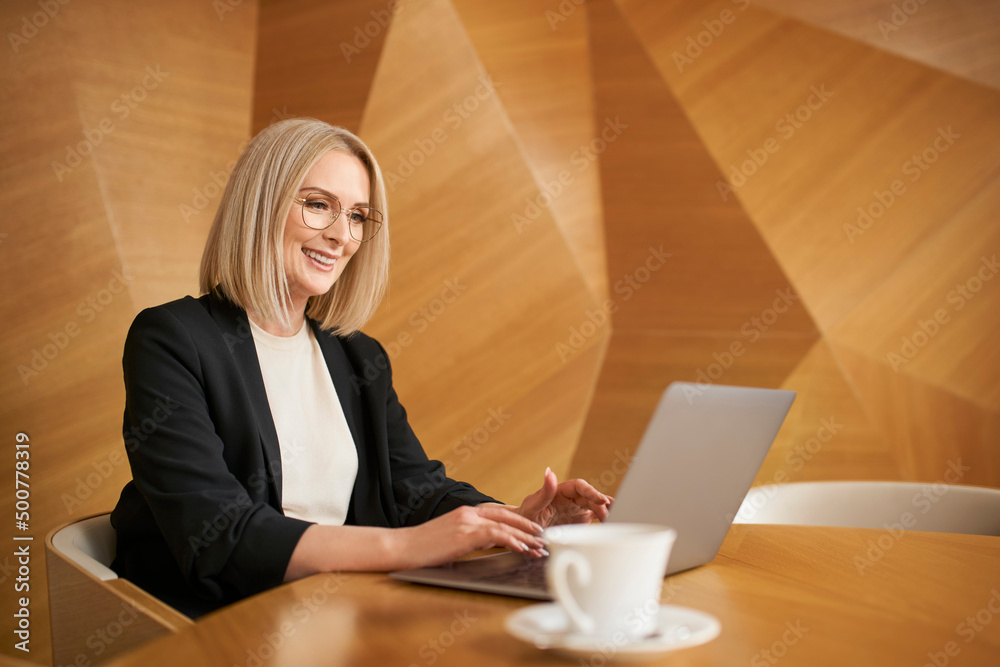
(118, 121)
(587, 202)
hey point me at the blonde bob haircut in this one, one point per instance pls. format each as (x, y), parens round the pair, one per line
(244, 260)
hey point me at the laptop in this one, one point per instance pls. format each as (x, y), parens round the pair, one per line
(699, 455)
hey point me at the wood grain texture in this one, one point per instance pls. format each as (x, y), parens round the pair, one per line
(478, 308)
(484, 316)
(961, 36)
(873, 180)
(317, 59)
(118, 116)
(829, 432)
(766, 580)
(638, 366)
(929, 429)
(94, 621)
(718, 307)
(542, 70)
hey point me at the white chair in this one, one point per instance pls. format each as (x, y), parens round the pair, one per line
(94, 613)
(942, 508)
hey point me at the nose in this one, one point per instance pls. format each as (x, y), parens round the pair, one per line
(339, 232)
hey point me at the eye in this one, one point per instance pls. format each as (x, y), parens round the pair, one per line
(358, 216)
(318, 205)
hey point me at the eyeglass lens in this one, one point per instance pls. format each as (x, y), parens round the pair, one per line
(320, 211)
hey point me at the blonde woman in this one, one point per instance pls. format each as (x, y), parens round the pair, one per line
(262, 446)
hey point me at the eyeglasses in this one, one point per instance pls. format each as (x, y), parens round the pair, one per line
(320, 211)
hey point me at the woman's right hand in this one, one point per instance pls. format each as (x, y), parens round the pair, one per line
(466, 529)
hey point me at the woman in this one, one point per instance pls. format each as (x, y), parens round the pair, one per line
(263, 447)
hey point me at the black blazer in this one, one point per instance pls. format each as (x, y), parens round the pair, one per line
(200, 525)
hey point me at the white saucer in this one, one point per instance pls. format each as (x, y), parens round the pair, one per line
(547, 627)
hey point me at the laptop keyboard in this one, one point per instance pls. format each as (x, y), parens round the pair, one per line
(529, 574)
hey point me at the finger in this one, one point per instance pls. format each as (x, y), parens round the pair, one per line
(512, 538)
(503, 515)
(582, 493)
(543, 497)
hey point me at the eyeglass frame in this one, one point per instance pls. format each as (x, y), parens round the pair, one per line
(302, 201)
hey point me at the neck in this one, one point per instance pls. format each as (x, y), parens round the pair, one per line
(275, 328)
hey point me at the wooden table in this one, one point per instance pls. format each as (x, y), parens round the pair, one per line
(785, 595)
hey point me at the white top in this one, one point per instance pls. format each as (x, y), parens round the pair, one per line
(319, 462)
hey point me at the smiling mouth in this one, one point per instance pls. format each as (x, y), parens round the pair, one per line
(323, 260)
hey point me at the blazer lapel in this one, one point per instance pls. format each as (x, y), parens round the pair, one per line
(236, 332)
(341, 372)
(371, 502)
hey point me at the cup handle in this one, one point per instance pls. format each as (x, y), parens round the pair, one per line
(560, 564)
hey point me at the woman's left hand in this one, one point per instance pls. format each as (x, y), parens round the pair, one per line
(575, 501)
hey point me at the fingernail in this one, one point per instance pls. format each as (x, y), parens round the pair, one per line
(547, 471)
(544, 551)
(524, 547)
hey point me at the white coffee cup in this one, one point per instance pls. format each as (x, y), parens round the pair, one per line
(607, 577)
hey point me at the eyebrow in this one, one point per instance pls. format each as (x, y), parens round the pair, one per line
(329, 194)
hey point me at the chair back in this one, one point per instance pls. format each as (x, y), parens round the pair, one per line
(943, 508)
(90, 544)
(95, 615)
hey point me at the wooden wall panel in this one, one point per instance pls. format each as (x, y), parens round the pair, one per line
(719, 309)
(60, 380)
(118, 116)
(877, 198)
(317, 59)
(659, 189)
(106, 212)
(540, 61)
(177, 98)
(946, 333)
(830, 433)
(960, 36)
(639, 365)
(929, 428)
(477, 308)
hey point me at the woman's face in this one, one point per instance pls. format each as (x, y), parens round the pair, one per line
(314, 259)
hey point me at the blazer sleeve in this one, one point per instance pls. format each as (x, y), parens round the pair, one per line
(420, 486)
(224, 535)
